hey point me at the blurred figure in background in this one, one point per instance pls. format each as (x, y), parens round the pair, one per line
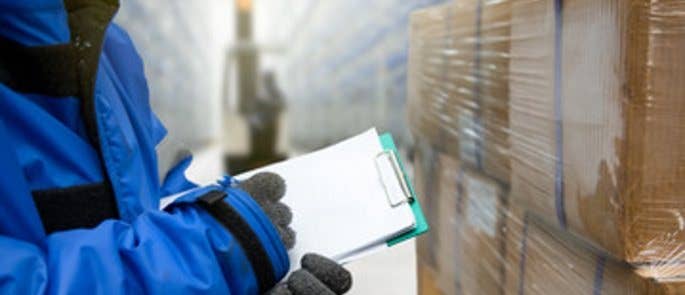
(263, 114)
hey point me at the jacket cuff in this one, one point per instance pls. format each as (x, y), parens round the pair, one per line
(257, 236)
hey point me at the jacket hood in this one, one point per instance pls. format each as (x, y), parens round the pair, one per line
(34, 22)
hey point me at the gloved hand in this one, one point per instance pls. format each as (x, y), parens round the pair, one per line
(318, 275)
(267, 189)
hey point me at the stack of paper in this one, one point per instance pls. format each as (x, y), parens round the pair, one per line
(340, 201)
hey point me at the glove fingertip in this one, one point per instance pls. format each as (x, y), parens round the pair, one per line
(334, 275)
(303, 282)
(270, 185)
(281, 214)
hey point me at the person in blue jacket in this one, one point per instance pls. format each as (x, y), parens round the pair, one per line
(80, 191)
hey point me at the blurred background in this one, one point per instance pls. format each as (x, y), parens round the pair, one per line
(244, 83)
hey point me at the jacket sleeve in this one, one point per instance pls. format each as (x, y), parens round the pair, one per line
(185, 250)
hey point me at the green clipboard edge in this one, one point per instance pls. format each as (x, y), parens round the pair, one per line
(421, 224)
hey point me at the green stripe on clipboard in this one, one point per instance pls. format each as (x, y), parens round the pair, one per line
(421, 224)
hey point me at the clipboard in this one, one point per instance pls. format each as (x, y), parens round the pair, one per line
(395, 187)
(422, 226)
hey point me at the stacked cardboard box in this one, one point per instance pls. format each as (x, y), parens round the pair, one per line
(541, 259)
(458, 82)
(466, 247)
(479, 225)
(597, 126)
(483, 245)
(493, 77)
(426, 172)
(427, 176)
(571, 112)
(435, 29)
(448, 224)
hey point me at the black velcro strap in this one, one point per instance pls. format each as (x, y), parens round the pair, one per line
(49, 70)
(241, 230)
(63, 70)
(83, 206)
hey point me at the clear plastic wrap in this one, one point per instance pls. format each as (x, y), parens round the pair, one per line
(481, 243)
(552, 145)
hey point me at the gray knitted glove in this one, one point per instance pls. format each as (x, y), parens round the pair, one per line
(267, 189)
(318, 275)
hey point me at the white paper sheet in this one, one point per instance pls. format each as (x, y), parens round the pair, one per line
(339, 203)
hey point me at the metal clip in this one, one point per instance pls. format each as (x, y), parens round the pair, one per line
(396, 197)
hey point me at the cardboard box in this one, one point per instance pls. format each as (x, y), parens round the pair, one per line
(467, 245)
(485, 246)
(426, 175)
(426, 73)
(458, 89)
(597, 124)
(541, 259)
(492, 91)
(434, 173)
(449, 263)
(479, 234)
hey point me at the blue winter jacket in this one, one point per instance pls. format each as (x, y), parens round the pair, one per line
(58, 234)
